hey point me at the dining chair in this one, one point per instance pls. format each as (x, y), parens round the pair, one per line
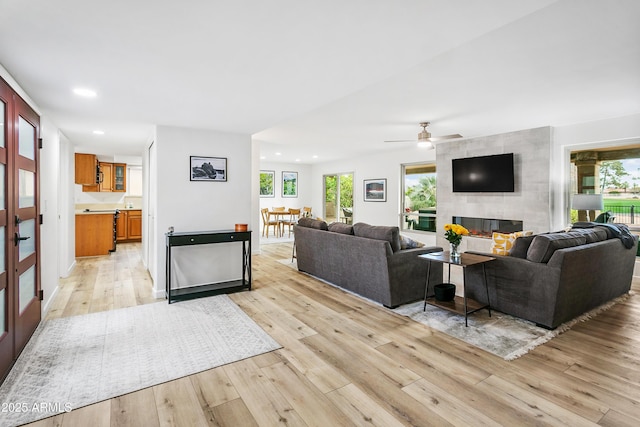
(267, 222)
(294, 216)
(279, 218)
(306, 212)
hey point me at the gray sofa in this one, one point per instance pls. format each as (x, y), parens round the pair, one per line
(364, 259)
(552, 278)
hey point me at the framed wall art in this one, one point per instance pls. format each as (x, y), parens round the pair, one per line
(289, 184)
(267, 183)
(375, 190)
(208, 168)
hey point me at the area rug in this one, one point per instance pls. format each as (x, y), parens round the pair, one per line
(501, 334)
(76, 361)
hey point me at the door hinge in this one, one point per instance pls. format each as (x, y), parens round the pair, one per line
(41, 219)
(39, 142)
(41, 294)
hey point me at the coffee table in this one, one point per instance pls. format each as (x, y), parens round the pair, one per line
(459, 305)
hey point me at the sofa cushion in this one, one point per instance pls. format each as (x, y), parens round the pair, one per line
(502, 243)
(313, 223)
(592, 235)
(341, 227)
(544, 245)
(379, 232)
(409, 243)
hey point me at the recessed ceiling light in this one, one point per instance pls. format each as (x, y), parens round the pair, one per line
(84, 92)
(262, 157)
(297, 160)
(98, 132)
(278, 154)
(315, 156)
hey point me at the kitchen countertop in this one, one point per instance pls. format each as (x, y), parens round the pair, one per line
(103, 211)
(96, 212)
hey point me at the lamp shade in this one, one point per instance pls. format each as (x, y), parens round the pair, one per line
(587, 202)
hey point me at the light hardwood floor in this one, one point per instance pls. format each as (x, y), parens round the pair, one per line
(347, 362)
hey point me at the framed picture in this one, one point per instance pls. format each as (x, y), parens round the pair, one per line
(267, 181)
(375, 190)
(289, 184)
(208, 168)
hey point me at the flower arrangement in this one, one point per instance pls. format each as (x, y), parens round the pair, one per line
(454, 232)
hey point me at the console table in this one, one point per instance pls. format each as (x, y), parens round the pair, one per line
(460, 305)
(207, 238)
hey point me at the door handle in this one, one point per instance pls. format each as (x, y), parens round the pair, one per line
(18, 238)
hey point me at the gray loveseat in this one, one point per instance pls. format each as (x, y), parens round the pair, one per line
(552, 278)
(364, 259)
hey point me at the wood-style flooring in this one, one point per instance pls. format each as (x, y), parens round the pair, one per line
(348, 362)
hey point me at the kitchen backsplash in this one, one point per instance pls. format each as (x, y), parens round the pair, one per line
(127, 202)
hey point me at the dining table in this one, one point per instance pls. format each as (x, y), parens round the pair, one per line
(279, 216)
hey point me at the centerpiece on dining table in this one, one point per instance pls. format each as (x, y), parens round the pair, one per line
(453, 233)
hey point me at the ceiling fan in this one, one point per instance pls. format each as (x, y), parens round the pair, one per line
(425, 139)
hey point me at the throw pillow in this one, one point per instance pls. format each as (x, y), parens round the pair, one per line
(409, 243)
(502, 243)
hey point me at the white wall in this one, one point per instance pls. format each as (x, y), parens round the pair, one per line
(50, 165)
(197, 206)
(304, 185)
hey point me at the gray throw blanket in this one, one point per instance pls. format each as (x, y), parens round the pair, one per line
(620, 231)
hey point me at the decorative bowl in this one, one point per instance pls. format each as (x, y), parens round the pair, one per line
(241, 227)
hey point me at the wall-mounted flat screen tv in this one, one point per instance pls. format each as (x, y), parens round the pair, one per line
(483, 174)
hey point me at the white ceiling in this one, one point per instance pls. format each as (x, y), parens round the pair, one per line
(331, 78)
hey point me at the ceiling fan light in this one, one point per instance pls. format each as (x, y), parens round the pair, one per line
(424, 135)
(425, 144)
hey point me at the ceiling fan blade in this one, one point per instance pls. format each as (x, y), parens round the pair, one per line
(403, 140)
(438, 138)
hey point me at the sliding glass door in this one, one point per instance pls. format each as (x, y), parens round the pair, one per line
(338, 198)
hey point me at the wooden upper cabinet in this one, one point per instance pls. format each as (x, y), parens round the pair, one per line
(119, 177)
(112, 177)
(86, 172)
(106, 176)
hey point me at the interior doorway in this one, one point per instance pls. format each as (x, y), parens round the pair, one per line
(338, 198)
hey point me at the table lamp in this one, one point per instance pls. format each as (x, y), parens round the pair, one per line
(587, 202)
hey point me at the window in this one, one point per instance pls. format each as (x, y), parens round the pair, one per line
(419, 201)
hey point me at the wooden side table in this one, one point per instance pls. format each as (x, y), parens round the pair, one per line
(459, 305)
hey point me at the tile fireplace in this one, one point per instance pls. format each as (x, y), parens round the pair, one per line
(484, 227)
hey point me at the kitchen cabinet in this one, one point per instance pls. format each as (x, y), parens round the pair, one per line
(86, 169)
(129, 226)
(134, 225)
(106, 177)
(94, 234)
(121, 227)
(119, 177)
(112, 176)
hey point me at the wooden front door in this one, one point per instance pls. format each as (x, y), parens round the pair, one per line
(20, 297)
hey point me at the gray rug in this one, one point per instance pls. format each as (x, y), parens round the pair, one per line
(501, 334)
(76, 361)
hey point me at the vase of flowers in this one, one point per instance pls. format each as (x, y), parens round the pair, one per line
(453, 233)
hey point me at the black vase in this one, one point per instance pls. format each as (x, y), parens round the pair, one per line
(445, 292)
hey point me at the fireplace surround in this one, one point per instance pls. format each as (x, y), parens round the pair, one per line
(484, 227)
